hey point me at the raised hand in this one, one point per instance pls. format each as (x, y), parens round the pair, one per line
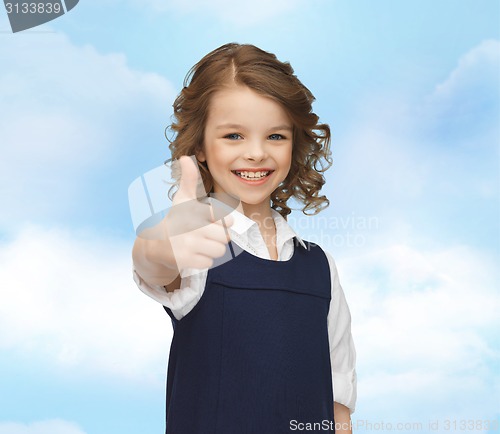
(196, 232)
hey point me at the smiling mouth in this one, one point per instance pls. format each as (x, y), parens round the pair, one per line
(252, 176)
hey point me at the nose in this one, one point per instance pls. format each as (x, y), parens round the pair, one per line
(255, 150)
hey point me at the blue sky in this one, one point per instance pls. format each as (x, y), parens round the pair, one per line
(411, 92)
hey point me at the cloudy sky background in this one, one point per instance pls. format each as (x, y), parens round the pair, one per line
(411, 92)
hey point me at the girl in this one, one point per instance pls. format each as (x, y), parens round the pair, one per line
(262, 338)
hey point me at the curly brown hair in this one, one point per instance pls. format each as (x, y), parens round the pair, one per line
(245, 64)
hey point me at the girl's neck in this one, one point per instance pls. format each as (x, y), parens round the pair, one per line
(261, 214)
(263, 217)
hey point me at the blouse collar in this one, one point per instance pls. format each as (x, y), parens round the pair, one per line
(242, 225)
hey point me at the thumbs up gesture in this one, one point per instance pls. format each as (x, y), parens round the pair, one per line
(191, 235)
(195, 230)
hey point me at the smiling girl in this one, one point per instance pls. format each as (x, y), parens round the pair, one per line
(262, 332)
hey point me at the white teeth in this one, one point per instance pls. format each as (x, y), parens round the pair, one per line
(251, 175)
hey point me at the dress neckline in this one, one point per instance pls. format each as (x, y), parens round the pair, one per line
(264, 260)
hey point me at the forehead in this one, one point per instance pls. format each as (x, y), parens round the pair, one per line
(240, 104)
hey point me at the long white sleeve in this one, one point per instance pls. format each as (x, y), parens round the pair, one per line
(342, 350)
(180, 301)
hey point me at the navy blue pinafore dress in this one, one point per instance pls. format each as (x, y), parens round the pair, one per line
(252, 356)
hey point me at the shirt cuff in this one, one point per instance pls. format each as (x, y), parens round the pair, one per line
(345, 389)
(179, 301)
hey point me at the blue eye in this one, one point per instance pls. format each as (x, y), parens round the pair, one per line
(232, 136)
(276, 135)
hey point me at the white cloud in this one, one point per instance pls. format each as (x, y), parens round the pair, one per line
(43, 427)
(63, 111)
(423, 322)
(68, 299)
(470, 84)
(465, 106)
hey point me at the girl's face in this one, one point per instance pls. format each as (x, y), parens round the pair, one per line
(248, 146)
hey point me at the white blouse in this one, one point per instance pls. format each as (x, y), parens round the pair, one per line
(246, 234)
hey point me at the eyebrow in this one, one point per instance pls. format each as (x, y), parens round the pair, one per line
(240, 127)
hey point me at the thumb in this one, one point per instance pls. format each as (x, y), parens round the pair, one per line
(191, 183)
